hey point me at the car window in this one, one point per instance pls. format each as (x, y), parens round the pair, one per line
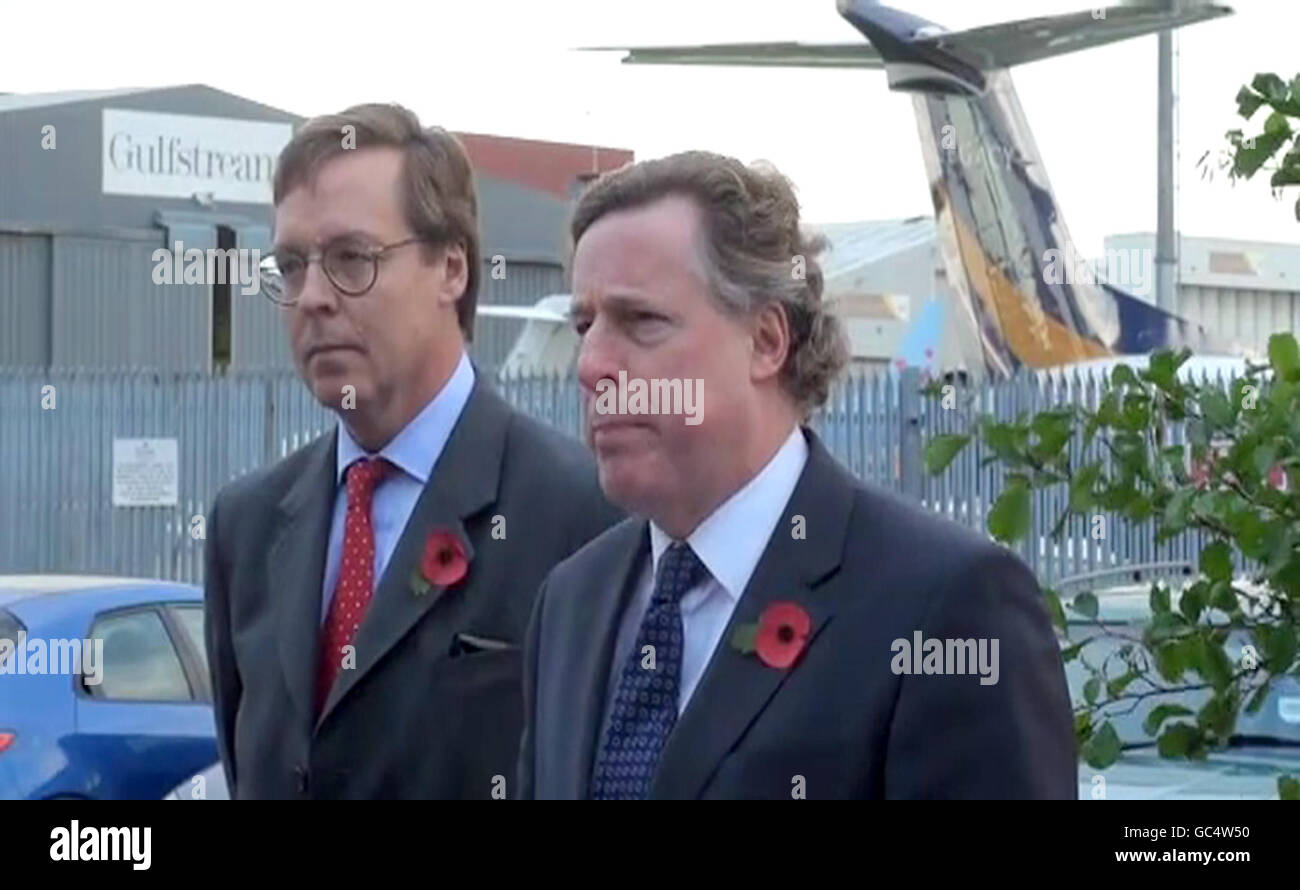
(190, 619)
(139, 661)
(9, 629)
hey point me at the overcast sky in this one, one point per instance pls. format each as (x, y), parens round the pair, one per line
(850, 145)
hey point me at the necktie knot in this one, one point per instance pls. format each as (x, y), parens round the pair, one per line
(364, 476)
(679, 570)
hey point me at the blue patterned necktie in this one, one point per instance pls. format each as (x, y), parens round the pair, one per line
(645, 708)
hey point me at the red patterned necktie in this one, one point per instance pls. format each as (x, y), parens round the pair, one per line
(356, 582)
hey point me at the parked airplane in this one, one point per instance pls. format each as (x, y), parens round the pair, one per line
(1024, 296)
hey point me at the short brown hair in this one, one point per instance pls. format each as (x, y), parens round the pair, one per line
(438, 195)
(751, 248)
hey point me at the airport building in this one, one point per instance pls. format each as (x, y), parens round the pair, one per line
(1242, 292)
(92, 183)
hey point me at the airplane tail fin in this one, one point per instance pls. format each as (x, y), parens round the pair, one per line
(1022, 293)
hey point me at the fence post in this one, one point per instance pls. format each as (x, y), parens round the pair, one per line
(909, 434)
(268, 421)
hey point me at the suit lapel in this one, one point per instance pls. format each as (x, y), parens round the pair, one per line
(464, 480)
(591, 648)
(296, 569)
(736, 687)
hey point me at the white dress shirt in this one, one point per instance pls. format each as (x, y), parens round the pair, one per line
(413, 451)
(729, 542)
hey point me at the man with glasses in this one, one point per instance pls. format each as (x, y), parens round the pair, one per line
(367, 595)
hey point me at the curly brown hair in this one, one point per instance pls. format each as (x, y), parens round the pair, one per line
(754, 253)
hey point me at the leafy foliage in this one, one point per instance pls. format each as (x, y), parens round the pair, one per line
(1234, 480)
(1277, 147)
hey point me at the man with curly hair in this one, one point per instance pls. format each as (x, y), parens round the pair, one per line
(738, 636)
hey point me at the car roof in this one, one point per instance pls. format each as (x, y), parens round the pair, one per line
(31, 594)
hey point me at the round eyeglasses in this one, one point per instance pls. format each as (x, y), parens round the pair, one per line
(351, 267)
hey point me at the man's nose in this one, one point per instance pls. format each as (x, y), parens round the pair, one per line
(318, 293)
(598, 356)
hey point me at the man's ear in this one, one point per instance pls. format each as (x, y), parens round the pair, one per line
(770, 342)
(454, 264)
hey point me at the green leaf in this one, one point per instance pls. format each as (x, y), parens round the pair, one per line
(1177, 740)
(1217, 408)
(1082, 487)
(1162, 369)
(941, 450)
(1178, 509)
(1091, 689)
(1171, 660)
(1159, 599)
(1284, 356)
(742, 640)
(1248, 102)
(1009, 519)
(1085, 604)
(1192, 601)
(1006, 440)
(1211, 662)
(1115, 688)
(1216, 561)
(1288, 788)
(1222, 596)
(1276, 124)
(1054, 608)
(1271, 87)
(1160, 713)
(1280, 647)
(1123, 375)
(1103, 748)
(1053, 429)
(1264, 458)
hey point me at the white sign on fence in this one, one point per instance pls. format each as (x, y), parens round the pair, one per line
(145, 473)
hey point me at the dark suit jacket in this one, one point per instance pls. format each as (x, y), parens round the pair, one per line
(426, 712)
(873, 568)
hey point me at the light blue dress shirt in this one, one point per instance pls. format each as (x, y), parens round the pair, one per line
(413, 451)
(730, 542)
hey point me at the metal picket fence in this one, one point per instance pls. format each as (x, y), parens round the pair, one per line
(57, 430)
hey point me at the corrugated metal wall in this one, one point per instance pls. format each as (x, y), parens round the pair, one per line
(107, 311)
(257, 335)
(81, 301)
(24, 299)
(1245, 317)
(56, 510)
(522, 284)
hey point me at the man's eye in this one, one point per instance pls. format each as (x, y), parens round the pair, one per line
(580, 325)
(289, 265)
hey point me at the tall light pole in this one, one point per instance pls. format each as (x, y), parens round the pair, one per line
(1166, 243)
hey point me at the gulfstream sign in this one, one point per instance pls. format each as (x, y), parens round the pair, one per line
(179, 156)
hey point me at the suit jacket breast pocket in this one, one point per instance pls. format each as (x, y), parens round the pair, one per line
(466, 644)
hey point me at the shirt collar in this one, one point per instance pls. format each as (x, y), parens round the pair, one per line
(417, 447)
(731, 540)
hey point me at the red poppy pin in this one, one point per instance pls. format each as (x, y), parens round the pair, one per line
(779, 636)
(443, 563)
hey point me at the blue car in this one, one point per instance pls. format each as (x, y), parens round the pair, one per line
(104, 690)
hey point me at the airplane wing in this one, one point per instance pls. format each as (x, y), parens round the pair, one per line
(1007, 44)
(523, 313)
(783, 55)
(1002, 45)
